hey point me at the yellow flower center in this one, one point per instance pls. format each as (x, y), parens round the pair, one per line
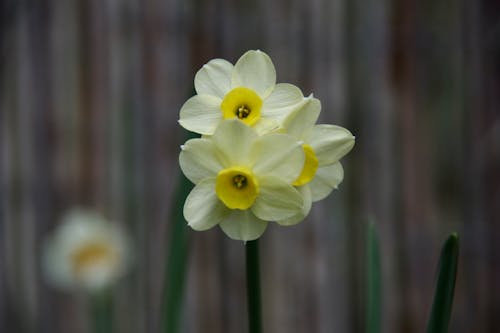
(242, 103)
(237, 187)
(310, 166)
(92, 254)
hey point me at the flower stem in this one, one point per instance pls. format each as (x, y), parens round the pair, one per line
(253, 287)
(175, 271)
(102, 312)
(176, 265)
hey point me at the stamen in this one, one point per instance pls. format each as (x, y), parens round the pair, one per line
(242, 111)
(239, 181)
(243, 104)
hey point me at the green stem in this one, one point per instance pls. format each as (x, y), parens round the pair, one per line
(253, 287)
(102, 313)
(175, 274)
(176, 265)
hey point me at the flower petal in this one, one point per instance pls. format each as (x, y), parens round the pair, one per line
(57, 267)
(330, 143)
(278, 155)
(327, 178)
(302, 119)
(277, 200)
(214, 78)
(233, 138)
(202, 209)
(305, 191)
(266, 125)
(201, 114)
(283, 99)
(255, 70)
(199, 160)
(243, 225)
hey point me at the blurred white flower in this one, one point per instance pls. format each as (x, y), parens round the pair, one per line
(324, 145)
(247, 91)
(85, 252)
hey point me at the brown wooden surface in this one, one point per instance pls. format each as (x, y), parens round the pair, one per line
(89, 98)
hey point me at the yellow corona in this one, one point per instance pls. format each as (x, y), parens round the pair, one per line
(237, 187)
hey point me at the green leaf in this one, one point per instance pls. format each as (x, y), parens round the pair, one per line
(373, 284)
(175, 274)
(443, 297)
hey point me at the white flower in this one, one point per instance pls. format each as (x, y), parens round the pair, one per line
(85, 252)
(243, 180)
(324, 145)
(247, 91)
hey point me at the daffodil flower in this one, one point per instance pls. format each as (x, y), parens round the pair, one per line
(243, 180)
(324, 145)
(85, 252)
(246, 91)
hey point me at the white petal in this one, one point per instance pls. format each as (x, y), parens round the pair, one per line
(199, 160)
(305, 191)
(266, 125)
(330, 143)
(202, 209)
(278, 155)
(243, 225)
(255, 70)
(233, 139)
(214, 78)
(302, 120)
(277, 200)
(201, 114)
(57, 267)
(284, 99)
(327, 178)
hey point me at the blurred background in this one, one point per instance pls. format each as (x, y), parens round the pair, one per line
(89, 98)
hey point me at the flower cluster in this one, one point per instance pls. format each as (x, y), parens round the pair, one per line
(261, 157)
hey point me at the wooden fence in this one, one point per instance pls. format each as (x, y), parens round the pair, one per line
(89, 98)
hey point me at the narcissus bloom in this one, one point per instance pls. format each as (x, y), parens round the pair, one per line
(324, 145)
(243, 180)
(246, 91)
(85, 252)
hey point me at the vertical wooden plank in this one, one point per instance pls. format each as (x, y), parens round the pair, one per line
(475, 282)
(24, 132)
(172, 88)
(9, 176)
(410, 214)
(40, 177)
(65, 86)
(133, 204)
(370, 115)
(481, 128)
(329, 219)
(3, 204)
(97, 26)
(122, 28)
(492, 153)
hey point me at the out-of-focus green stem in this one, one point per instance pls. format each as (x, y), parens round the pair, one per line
(176, 263)
(175, 272)
(445, 288)
(253, 287)
(102, 312)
